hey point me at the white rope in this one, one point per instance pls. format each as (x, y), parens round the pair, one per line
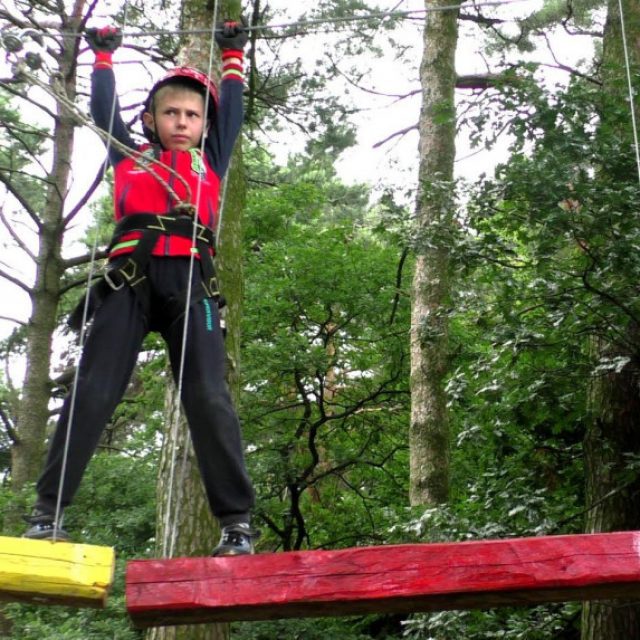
(81, 337)
(170, 532)
(223, 198)
(632, 103)
(111, 141)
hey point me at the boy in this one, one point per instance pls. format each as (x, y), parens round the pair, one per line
(158, 188)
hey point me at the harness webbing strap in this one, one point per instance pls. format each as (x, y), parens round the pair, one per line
(132, 269)
(178, 224)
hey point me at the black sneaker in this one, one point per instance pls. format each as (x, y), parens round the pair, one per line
(236, 540)
(44, 527)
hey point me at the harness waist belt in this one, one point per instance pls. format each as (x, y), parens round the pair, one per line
(172, 225)
(133, 271)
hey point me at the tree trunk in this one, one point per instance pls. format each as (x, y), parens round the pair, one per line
(27, 454)
(613, 433)
(185, 525)
(612, 490)
(195, 528)
(429, 429)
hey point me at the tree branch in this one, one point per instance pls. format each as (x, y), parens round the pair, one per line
(16, 238)
(481, 81)
(78, 261)
(481, 20)
(396, 297)
(7, 83)
(21, 200)
(85, 198)
(14, 320)
(401, 132)
(11, 432)
(14, 280)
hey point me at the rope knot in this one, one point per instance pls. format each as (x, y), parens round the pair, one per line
(185, 209)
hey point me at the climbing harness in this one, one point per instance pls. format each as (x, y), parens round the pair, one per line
(131, 269)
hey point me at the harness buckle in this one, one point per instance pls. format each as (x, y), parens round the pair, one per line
(211, 288)
(110, 282)
(131, 276)
(127, 273)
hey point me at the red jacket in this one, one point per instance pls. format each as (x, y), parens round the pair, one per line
(137, 190)
(144, 185)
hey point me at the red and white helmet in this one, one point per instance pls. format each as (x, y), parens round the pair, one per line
(180, 74)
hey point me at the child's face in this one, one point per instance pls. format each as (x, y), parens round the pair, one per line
(178, 118)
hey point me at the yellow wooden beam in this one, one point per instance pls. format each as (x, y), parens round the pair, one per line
(41, 571)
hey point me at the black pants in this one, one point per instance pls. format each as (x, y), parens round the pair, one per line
(106, 364)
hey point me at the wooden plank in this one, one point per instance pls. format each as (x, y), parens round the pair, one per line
(41, 571)
(394, 578)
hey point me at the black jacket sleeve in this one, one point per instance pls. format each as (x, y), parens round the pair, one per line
(105, 111)
(224, 130)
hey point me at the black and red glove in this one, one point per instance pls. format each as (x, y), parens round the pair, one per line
(231, 34)
(103, 42)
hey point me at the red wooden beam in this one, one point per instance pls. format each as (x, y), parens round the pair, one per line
(394, 578)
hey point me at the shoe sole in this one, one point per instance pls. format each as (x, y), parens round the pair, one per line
(48, 536)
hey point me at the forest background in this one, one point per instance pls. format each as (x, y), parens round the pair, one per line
(424, 358)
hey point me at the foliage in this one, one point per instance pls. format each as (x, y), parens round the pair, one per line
(534, 623)
(7, 432)
(545, 259)
(350, 628)
(560, 223)
(33, 622)
(20, 143)
(547, 265)
(325, 402)
(116, 503)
